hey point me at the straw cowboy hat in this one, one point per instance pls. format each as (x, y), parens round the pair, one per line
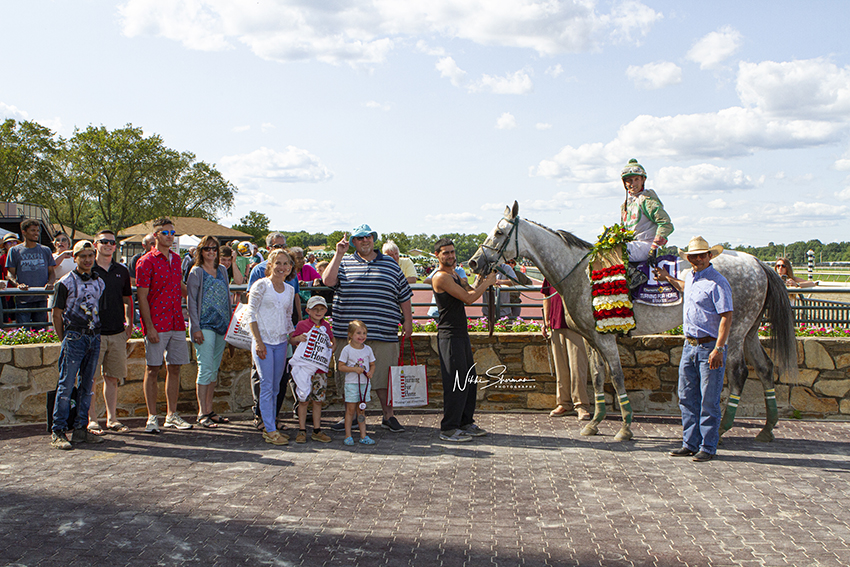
(699, 245)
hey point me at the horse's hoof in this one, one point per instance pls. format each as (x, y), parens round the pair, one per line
(765, 436)
(590, 429)
(624, 434)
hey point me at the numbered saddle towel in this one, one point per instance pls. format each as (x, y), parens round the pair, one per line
(654, 292)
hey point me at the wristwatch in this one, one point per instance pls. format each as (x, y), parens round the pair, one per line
(720, 348)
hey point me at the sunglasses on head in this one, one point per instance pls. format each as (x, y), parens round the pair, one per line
(168, 232)
(107, 242)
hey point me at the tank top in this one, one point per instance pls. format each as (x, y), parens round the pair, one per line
(452, 313)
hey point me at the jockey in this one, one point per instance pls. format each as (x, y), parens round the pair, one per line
(643, 213)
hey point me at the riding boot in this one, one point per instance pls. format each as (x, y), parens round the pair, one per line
(635, 276)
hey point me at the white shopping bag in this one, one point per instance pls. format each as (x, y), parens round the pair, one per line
(238, 333)
(408, 384)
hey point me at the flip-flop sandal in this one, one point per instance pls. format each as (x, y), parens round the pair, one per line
(96, 430)
(215, 418)
(118, 428)
(205, 421)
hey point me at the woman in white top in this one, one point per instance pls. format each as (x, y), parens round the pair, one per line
(270, 318)
(63, 256)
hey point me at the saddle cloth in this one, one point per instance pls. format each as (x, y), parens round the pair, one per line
(654, 292)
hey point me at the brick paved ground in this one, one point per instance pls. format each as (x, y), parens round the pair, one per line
(533, 493)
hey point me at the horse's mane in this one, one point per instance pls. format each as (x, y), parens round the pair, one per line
(569, 238)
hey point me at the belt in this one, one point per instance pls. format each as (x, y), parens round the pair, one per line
(694, 342)
(82, 331)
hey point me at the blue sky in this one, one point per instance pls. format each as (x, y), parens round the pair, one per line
(432, 116)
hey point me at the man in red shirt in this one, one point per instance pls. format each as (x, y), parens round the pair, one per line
(160, 289)
(570, 358)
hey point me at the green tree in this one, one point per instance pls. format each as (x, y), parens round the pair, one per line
(401, 240)
(254, 223)
(26, 151)
(188, 188)
(333, 238)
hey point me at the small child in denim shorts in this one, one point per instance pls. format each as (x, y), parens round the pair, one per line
(358, 362)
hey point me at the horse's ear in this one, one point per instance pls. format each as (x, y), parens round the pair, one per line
(507, 213)
(515, 210)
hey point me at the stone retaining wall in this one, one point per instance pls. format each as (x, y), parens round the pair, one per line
(520, 360)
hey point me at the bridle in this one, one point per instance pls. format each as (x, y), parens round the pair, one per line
(500, 251)
(500, 254)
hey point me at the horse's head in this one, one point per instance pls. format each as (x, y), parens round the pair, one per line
(501, 243)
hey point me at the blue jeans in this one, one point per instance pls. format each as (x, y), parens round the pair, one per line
(699, 398)
(77, 364)
(270, 370)
(32, 316)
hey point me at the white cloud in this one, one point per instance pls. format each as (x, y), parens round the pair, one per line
(377, 105)
(543, 126)
(516, 83)
(844, 194)
(364, 32)
(449, 69)
(423, 47)
(806, 89)
(244, 128)
(266, 126)
(700, 178)
(807, 215)
(712, 49)
(9, 111)
(655, 75)
(718, 204)
(555, 71)
(506, 121)
(292, 165)
(455, 222)
(820, 115)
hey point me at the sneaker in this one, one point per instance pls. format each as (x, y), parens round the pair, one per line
(472, 430)
(174, 420)
(276, 438)
(321, 437)
(152, 426)
(392, 424)
(301, 437)
(348, 441)
(59, 441)
(455, 436)
(82, 435)
(367, 441)
(338, 426)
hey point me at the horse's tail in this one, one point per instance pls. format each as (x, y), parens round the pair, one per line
(783, 339)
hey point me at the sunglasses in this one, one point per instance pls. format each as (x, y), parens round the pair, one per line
(781, 266)
(106, 242)
(209, 248)
(58, 240)
(168, 232)
(277, 246)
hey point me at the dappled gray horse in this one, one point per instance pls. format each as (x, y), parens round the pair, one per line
(563, 259)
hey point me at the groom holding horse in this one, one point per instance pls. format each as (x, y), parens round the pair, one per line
(707, 321)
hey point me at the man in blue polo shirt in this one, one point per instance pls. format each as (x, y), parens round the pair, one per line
(707, 320)
(371, 287)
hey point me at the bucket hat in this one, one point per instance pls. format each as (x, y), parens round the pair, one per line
(364, 230)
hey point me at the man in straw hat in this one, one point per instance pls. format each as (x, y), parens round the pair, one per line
(643, 213)
(707, 320)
